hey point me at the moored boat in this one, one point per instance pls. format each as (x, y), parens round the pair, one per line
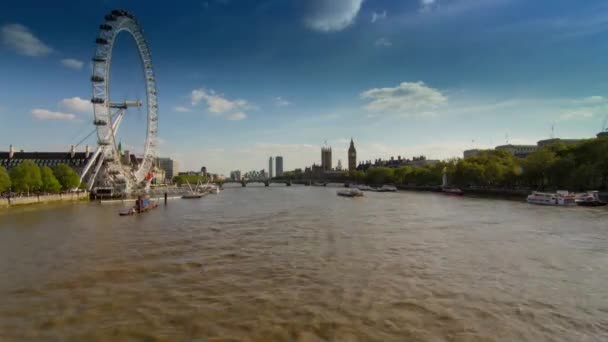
(589, 199)
(192, 196)
(141, 206)
(452, 191)
(448, 190)
(350, 193)
(561, 198)
(387, 188)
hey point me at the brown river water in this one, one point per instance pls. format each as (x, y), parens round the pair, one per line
(301, 264)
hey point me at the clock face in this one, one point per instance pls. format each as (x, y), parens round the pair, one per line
(352, 154)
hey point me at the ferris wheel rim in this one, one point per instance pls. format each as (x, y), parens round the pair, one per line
(116, 22)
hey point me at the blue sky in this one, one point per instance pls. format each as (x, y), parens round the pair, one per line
(241, 80)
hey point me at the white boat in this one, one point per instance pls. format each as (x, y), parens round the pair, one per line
(387, 188)
(364, 188)
(350, 193)
(590, 199)
(446, 190)
(214, 189)
(561, 198)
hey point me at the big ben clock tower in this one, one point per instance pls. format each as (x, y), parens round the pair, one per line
(352, 156)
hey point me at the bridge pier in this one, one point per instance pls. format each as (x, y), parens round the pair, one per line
(288, 183)
(243, 184)
(266, 183)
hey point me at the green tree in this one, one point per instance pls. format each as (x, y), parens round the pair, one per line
(357, 176)
(26, 177)
(67, 177)
(536, 166)
(401, 174)
(5, 180)
(585, 177)
(561, 172)
(380, 175)
(192, 179)
(49, 182)
(469, 172)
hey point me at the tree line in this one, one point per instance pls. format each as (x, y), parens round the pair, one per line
(575, 167)
(28, 177)
(192, 179)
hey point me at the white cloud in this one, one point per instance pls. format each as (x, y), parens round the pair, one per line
(585, 113)
(280, 102)
(219, 105)
(23, 41)
(427, 5)
(585, 108)
(44, 114)
(331, 15)
(406, 99)
(72, 63)
(339, 141)
(238, 116)
(595, 99)
(378, 16)
(181, 109)
(216, 103)
(383, 42)
(76, 104)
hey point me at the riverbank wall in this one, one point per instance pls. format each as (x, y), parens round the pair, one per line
(14, 201)
(488, 192)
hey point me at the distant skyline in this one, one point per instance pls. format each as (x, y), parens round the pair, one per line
(240, 81)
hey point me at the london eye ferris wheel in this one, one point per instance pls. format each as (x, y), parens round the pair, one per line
(110, 170)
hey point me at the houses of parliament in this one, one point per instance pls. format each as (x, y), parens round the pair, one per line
(326, 158)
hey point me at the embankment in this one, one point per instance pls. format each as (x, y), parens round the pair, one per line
(72, 197)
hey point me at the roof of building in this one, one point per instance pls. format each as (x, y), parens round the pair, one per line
(555, 140)
(45, 155)
(50, 159)
(515, 146)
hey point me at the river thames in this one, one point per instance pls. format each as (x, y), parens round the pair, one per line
(301, 264)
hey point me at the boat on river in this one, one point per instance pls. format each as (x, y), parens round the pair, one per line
(386, 188)
(350, 193)
(452, 191)
(589, 199)
(561, 198)
(192, 196)
(448, 190)
(142, 205)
